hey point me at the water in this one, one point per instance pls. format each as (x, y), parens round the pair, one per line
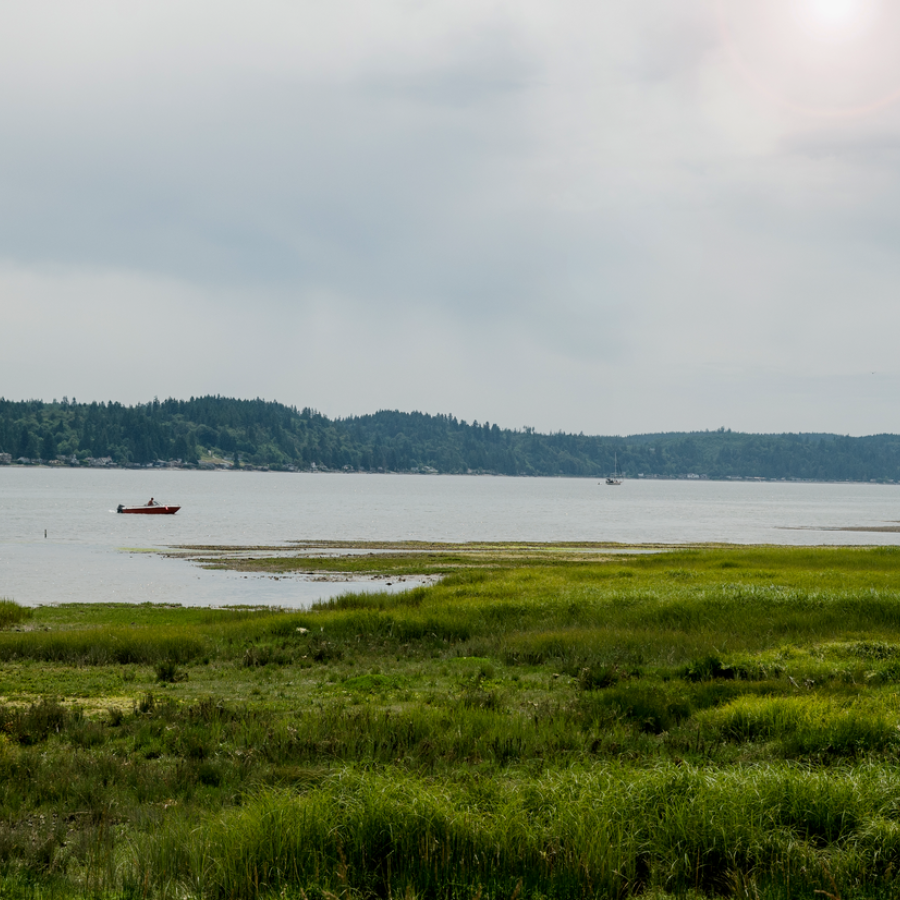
(90, 553)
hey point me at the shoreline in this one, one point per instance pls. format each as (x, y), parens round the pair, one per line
(176, 466)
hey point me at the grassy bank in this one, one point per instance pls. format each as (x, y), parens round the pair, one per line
(546, 721)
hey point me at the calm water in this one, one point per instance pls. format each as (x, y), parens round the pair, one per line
(89, 552)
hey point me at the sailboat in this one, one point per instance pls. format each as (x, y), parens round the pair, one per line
(615, 476)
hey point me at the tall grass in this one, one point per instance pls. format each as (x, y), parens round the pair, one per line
(102, 646)
(11, 613)
(603, 833)
(806, 725)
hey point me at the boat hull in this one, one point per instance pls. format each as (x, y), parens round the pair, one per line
(149, 510)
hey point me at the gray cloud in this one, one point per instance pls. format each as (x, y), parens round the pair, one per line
(581, 216)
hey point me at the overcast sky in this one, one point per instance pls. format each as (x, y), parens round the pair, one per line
(614, 216)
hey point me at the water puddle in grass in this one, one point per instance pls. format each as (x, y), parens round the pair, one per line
(92, 574)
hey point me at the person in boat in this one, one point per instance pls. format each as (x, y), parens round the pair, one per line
(152, 502)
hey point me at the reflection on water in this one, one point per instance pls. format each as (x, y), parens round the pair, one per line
(92, 554)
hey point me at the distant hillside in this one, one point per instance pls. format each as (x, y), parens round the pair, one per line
(207, 431)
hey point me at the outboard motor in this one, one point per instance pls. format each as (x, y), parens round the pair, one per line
(120, 508)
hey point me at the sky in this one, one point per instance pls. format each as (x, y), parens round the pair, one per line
(599, 217)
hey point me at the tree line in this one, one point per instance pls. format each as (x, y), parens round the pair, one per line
(268, 434)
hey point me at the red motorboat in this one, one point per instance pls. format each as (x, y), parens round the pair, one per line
(149, 509)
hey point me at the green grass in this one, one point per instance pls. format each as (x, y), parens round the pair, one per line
(13, 614)
(546, 722)
(608, 833)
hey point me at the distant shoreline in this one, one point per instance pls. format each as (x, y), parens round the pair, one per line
(258, 435)
(177, 465)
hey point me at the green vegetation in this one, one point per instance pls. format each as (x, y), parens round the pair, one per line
(261, 433)
(545, 722)
(12, 614)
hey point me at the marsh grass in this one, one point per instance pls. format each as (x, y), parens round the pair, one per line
(11, 613)
(697, 723)
(104, 645)
(605, 833)
(803, 726)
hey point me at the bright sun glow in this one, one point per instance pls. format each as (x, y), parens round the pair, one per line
(834, 19)
(834, 13)
(821, 57)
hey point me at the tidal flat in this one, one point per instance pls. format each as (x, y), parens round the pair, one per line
(546, 721)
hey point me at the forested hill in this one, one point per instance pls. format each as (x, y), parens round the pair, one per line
(207, 431)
